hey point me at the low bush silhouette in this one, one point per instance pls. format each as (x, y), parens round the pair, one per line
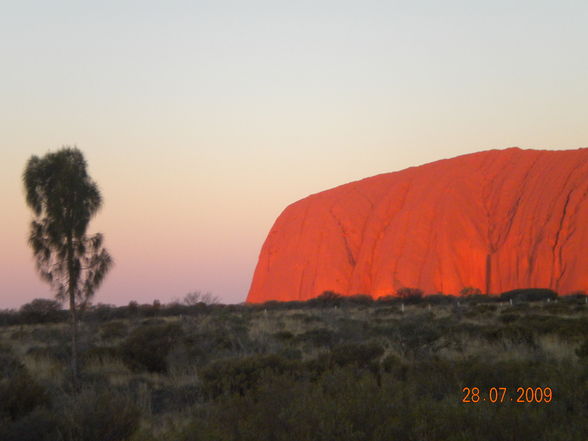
(357, 354)
(410, 295)
(148, 346)
(237, 376)
(359, 299)
(99, 416)
(528, 295)
(42, 311)
(113, 330)
(327, 299)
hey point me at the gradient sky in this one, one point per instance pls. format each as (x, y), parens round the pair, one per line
(201, 121)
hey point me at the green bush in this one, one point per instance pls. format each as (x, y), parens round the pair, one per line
(113, 330)
(100, 353)
(20, 394)
(356, 354)
(237, 376)
(9, 364)
(99, 416)
(318, 337)
(147, 347)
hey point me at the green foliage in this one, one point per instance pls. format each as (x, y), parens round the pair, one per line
(64, 198)
(113, 330)
(146, 348)
(296, 372)
(9, 364)
(237, 376)
(356, 354)
(101, 353)
(20, 394)
(99, 416)
(318, 337)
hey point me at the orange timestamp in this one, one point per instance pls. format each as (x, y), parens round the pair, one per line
(502, 395)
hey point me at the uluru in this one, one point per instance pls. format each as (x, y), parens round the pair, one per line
(495, 220)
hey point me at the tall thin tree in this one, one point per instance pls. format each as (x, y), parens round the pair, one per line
(64, 198)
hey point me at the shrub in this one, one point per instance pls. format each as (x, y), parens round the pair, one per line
(147, 347)
(21, 394)
(112, 330)
(582, 351)
(528, 295)
(38, 425)
(59, 352)
(392, 364)
(197, 297)
(133, 308)
(387, 300)
(360, 300)
(9, 365)
(318, 337)
(99, 416)
(42, 311)
(410, 295)
(102, 312)
(356, 354)
(283, 336)
(470, 291)
(237, 376)
(479, 298)
(326, 299)
(440, 299)
(9, 317)
(100, 353)
(508, 317)
(174, 398)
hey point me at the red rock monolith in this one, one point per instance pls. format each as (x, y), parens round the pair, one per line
(495, 220)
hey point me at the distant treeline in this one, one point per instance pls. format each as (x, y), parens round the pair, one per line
(51, 311)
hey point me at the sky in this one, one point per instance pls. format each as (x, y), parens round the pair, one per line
(201, 121)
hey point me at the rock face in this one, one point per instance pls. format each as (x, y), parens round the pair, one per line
(495, 220)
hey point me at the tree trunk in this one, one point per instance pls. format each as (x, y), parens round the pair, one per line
(73, 313)
(74, 339)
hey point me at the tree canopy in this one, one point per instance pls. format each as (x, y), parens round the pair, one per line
(64, 198)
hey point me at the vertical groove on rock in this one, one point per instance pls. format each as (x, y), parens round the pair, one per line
(350, 257)
(557, 264)
(488, 274)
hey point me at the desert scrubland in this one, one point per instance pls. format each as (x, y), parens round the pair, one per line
(330, 368)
